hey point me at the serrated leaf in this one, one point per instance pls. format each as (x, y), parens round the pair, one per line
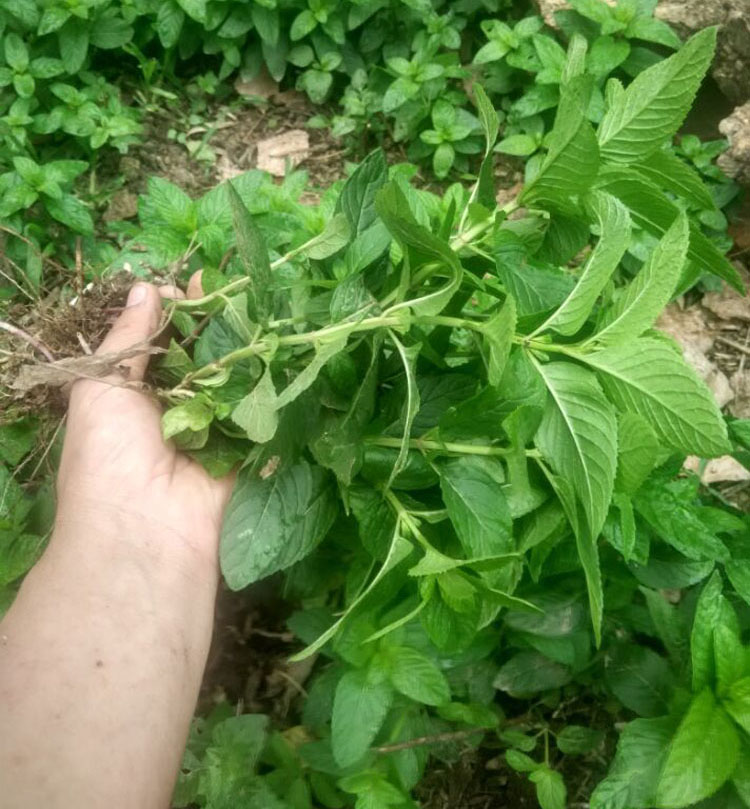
(578, 437)
(324, 350)
(643, 300)
(417, 677)
(252, 252)
(550, 788)
(614, 228)
(270, 524)
(393, 208)
(707, 616)
(408, 356)
(701, 757)
(637, 451)
(357, 200)
(473, 494)
(334, 237)
(664, 169)
(649, 378)
(487, 117)
(634, 774)
(654, 105)
(651, 210)
(257, 413)
(572, 162)
(359, 710)
(499, 331)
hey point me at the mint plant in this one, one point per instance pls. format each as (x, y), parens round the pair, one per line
(458, 436)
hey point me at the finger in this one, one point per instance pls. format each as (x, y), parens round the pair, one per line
(136, 325)
(171, 293)
(195, 286)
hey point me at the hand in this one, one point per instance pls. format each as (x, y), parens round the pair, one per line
(117, 470)
(102, 652)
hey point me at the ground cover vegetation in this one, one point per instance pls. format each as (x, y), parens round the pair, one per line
(460, 438)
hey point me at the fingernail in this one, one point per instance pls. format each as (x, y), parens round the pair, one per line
(137, 295)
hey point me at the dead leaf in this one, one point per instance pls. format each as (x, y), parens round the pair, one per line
(740, 407)
(62, 372)
(290, 148)
(717, 470)
(262, 86)
(226, 169)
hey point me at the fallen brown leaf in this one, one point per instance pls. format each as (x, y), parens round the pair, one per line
(287, 149)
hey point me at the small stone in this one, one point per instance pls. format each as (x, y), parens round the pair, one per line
(122, 205)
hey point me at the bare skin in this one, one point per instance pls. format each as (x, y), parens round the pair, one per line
(102, 653)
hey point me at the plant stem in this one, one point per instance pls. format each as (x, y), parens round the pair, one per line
(428, 445)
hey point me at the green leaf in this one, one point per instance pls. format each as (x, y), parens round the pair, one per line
(357, 200)
(169, 21)
(702, 755)
(614, 228)
(519, 145)
(634, 774)
(16, 53)
(530, 672)
(302, 24)
(409, 356)
(640, 679)
(643, 300)
(664, 169)
(473, 495)
(271, 524)
(487, 117)
(324, 350)
(649, 378)
(520, 762)
(651, 210)
(729, 658)
(71, 212)
(196, 9)
(550, 788)
(651, 29)
(574, 740)
(572, 162)
(194, 415)
(654, 105)
(73, 38)
(52, 19)
(417, 677)
(737, 702)
(674, 519)
(252, 252)
(393, 208)
(257, 413)
(499, 331)
(578, 436)
(359, 710)
(637, 452)
(707, 616)
(668, 622)
(334, 237)
(110, 31)
(17, 438)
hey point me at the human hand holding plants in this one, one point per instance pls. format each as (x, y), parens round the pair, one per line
(102, 654)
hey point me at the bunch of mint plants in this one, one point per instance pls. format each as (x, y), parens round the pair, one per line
(460, 442)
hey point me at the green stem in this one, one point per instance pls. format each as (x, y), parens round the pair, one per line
(452, 447)
(260, 346)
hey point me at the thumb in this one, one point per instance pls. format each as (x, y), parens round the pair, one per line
(135, 325)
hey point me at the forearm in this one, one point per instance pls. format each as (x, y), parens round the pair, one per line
(101, 659)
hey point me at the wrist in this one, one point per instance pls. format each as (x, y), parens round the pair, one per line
(106, 533)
